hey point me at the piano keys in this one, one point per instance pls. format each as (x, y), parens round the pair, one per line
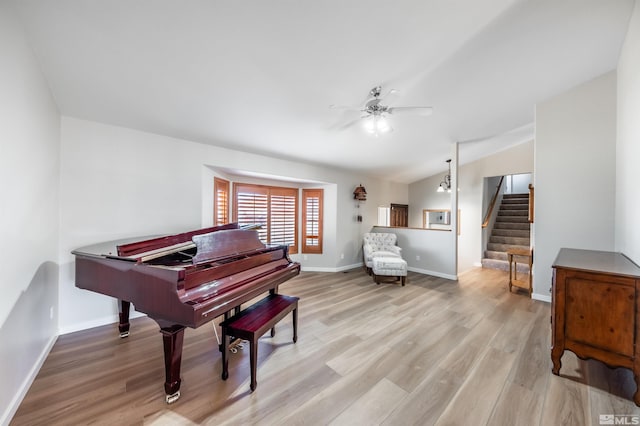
(183, 280)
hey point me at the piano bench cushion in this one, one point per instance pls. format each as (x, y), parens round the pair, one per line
(261, 316)
(251, 323)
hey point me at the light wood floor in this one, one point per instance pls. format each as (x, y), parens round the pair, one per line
(432, 352)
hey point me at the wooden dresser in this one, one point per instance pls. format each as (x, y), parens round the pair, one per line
(595, 312)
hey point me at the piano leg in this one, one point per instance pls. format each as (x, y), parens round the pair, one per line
(123, 327)
(172, 338)
(225, 354)
(233, 343)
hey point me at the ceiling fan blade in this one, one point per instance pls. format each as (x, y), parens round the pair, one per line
(424, 111)
(390, 92)
(371, 104)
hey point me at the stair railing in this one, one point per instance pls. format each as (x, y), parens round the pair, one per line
(531, 190)
(487, 216)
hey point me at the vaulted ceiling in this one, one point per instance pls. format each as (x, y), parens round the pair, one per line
(260, 75)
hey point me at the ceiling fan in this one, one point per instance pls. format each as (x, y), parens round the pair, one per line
(374, 111)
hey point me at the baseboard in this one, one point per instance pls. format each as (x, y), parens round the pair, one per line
(434, 273)
(111, 319)
(541, 297)
(26, 384)
(338, 269)
(359, 265)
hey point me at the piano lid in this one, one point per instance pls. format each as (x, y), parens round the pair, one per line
(109, 248)
(142, 249)
(225, 243)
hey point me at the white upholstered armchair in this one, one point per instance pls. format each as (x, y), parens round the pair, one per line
(379, 244)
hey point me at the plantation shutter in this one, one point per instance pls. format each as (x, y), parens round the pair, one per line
(282, 224)
(273, 208)
(312, 220)
(252, 208)
(221, 201)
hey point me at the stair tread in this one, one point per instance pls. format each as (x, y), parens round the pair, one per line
(516, 219)
(508, 224)
(503, 265)
(505, 247)
(518, 241)
(511, 206)
(495, 255)
(506, 232)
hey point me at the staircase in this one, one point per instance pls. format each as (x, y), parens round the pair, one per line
(511, 230)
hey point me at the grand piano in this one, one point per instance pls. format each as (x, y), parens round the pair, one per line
(183, 280)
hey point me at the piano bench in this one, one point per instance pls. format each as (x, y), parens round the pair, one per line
(252, 323)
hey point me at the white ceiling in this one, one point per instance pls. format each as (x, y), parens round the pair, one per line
(259, 75)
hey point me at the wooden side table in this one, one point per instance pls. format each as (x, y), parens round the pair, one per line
(513, 269)
(595, 310)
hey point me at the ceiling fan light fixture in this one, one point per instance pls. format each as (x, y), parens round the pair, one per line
(375, 112)
(383, 125)
(377, 124)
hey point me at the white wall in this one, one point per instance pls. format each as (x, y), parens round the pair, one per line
(575, 170)
(426, 251)
(423, 195)
(518, 184)
(515, 160)
(627, 229)
(29, 166)
(118, 182)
